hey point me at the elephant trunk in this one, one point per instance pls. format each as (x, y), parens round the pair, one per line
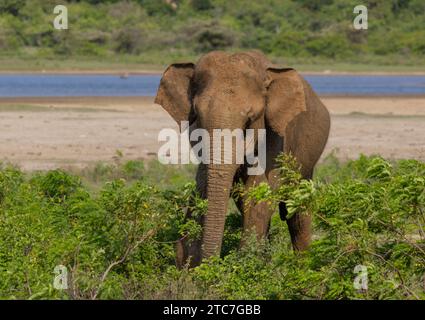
(219, 184)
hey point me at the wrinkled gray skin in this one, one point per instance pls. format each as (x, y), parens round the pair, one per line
(243, 90)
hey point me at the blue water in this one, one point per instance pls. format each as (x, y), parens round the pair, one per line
(24, 85)
(52, 85)
(367, 85)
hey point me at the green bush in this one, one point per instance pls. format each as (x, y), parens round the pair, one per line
(128, 40)
(201, 4)
(214, 37)
(57, 184)
(11, 6)
(329, 46)
(117, 240)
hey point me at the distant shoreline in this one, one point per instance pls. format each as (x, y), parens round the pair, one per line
(149, 99)
(159, 72)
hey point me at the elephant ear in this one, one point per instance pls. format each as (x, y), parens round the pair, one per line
(285, 98)
(174, 91)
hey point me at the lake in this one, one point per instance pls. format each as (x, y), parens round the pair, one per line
(54, 85)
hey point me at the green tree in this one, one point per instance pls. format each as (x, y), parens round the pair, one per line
(11, 6)
(201, 5)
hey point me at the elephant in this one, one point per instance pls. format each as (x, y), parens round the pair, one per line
(245, 90)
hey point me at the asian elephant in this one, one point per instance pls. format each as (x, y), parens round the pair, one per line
(244, 90)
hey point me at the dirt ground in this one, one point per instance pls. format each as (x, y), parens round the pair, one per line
(46, 133)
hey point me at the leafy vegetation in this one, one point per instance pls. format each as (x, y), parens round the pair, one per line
(114, 227)
(162, 31)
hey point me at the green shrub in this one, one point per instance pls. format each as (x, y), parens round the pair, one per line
(11, 6)
(201, 4)
(57, 184)
(214, 37)
(118, 242)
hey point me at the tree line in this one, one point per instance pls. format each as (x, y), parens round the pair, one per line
(302, 29)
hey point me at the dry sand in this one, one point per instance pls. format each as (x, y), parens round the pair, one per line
(46, 133)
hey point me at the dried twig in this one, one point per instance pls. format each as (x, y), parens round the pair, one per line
(127, 252)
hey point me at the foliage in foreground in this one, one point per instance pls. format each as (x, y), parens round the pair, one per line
(117, 240)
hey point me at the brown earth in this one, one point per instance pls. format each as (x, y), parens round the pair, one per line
(46, 133)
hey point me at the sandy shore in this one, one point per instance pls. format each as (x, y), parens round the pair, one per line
(45, 133)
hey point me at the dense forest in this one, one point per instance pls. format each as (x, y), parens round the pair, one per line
(157, 32)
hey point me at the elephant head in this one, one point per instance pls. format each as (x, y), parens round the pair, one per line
(229, 91)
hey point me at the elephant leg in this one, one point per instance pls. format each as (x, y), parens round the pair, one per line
(305, 138)
(299, 225)
(256, 217)
(188, 251)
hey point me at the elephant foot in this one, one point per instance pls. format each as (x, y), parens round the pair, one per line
(188, 254)
(299, 227)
